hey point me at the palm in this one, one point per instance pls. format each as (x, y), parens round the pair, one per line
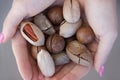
(27, 66)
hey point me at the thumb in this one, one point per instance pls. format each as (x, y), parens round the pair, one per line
(14, 17)
(104, 48)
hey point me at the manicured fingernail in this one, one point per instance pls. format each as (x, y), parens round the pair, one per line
(1, 38)
(101, 71)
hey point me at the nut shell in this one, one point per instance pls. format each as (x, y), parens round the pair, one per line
(71, 11)
(35, 50)
(44, 24)
(69, 29)
(55, 15)
(79, 54)
(34, 35)
(55, 43)
(85, 34)
(45, 63)
(61, 58)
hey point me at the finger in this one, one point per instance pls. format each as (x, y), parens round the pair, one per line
(77, 73)
(14, 17)
(101, 16)
(21, 55)
(104, 48)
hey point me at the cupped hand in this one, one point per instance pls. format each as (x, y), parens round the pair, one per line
(101, 16)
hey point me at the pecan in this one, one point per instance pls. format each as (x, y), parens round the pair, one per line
(30, 33)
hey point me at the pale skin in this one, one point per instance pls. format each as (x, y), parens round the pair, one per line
(101, 15)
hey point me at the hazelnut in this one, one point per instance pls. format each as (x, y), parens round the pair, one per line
(55, 43)
(85, 34)
(35, 50)
(55, 15)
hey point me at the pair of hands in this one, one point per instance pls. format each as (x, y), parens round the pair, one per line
(101, 16)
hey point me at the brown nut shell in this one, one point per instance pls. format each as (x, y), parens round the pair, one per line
(79, 54)
(85, 34)
(35, 50)
(55, 43)
(55, 15)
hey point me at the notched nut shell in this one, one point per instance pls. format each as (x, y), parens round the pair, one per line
(79, 54)
(32, 33)
(44, 24)
(71, 11)
(69, 29)
(61, 58)
(45, 63)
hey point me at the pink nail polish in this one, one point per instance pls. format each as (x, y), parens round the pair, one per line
(1, 38)
(101, 71)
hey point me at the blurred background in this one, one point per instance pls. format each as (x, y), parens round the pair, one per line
(8, 66)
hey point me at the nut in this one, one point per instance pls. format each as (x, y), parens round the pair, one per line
(44, 24)
(55, 43)
(85, 34)
(55, 15)
(69, 29)
(61, 58)
(93, 46)
(70, 39)
(79, 54)
(35, 50)
(71, 11)
(45, 63)
(32, 33)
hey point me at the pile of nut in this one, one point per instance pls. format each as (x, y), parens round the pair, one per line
(58, 36)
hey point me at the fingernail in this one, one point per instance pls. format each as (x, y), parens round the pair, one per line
(101, 71)
(1, 38)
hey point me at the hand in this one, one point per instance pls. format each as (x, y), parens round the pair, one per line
(101, 16)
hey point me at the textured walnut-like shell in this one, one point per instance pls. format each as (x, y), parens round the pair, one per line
(78, 53)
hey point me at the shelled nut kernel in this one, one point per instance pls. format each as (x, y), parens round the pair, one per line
(55, 43)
